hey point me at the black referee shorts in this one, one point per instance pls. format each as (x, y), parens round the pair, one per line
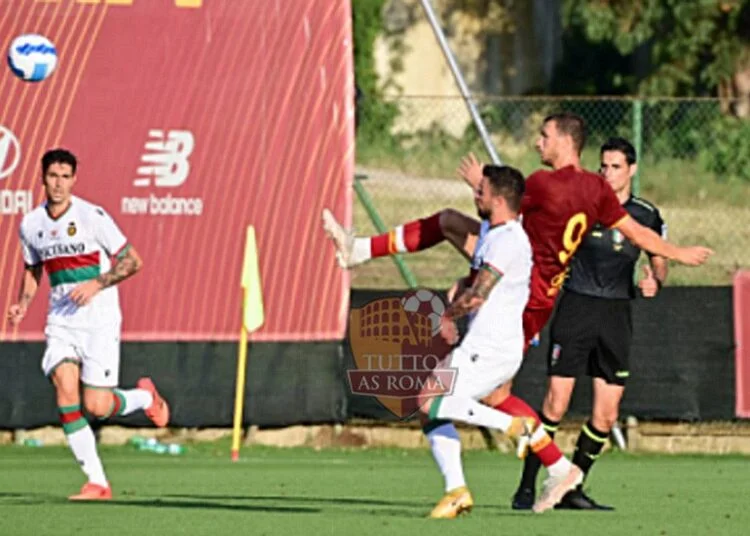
(592, 336)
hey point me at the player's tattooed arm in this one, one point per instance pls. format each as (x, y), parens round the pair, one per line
(126, 264)
(32, 275)
(473, 298)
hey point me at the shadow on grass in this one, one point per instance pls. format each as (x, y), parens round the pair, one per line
(353, 505)
(207, 505)
(9, 498)
(392, 507)
(303, 499)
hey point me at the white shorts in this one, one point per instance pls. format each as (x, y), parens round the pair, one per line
(97, 351)
(478, 374)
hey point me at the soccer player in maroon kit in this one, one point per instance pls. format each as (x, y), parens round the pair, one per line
(558, 208)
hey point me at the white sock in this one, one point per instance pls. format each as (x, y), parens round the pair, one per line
(134, 400)
(472, 412)
(560, 468)
(361, 250)
(83, 444)
(446, 449)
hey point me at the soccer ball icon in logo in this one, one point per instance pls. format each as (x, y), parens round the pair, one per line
(32, 57)
(426, 303)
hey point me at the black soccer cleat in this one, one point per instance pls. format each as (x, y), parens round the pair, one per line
(578, 500)
(523, 499)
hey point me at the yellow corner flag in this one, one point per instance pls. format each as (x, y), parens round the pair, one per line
(252, 318)
(252, 305)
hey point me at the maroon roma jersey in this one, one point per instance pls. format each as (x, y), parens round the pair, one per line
(559, 207)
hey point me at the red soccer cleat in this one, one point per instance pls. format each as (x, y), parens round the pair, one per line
(93, 492)
(158, 411)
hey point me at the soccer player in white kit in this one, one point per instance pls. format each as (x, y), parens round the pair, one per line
(492, 350)
(85, 255)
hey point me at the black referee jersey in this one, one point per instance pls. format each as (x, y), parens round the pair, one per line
(604, 264)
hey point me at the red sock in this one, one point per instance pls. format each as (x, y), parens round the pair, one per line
(517, 408)
(547, 451)
(413, 236)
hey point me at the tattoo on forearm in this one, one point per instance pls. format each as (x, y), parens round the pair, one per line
(124, 267)
(25, 299)
(473, 298)
(461, 306)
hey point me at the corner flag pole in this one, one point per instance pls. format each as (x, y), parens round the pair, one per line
(252, 319)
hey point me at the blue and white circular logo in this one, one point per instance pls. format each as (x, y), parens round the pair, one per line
(32, 57)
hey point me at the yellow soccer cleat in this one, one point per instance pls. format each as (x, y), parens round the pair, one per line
(453, 504)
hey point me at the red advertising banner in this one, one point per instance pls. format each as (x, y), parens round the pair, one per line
(191, 119)
(742, 342)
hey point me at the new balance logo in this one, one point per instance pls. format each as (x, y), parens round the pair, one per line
(166, 158)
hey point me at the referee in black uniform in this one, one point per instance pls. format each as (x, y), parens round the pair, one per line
(592, 328)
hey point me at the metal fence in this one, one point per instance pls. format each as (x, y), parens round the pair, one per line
(694, 164)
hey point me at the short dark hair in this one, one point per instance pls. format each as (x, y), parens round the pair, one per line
(507, 182)
(58, 156)
(571, 124)
(622, 145)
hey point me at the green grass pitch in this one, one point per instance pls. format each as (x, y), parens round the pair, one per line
(356, 492)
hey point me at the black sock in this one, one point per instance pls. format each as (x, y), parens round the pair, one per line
(532, 463)
(589, 445)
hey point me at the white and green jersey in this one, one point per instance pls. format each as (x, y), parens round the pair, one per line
(497, 325)
(74, 247)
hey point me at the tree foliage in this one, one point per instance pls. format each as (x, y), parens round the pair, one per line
(376, 116)
(685, 47)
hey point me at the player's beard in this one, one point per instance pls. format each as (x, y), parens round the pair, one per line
(483, 213)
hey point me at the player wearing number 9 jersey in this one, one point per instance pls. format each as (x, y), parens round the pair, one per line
(558, 209)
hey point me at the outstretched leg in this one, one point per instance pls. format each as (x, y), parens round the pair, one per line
(417, 235)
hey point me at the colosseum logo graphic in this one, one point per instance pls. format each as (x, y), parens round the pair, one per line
(398, 351)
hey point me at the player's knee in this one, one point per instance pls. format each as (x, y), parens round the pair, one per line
(449, 219)
(96, 404)
(554, 407)
(67, 395)
(499, 395)
(66, 388)
(604, 420)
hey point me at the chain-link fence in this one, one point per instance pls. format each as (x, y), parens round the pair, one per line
(694, 164)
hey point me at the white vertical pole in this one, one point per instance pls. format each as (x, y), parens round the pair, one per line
(443, 42)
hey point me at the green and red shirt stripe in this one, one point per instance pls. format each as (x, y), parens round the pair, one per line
(73, 269)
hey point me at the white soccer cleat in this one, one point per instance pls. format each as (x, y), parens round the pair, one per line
(555, 488)
(343, 240)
